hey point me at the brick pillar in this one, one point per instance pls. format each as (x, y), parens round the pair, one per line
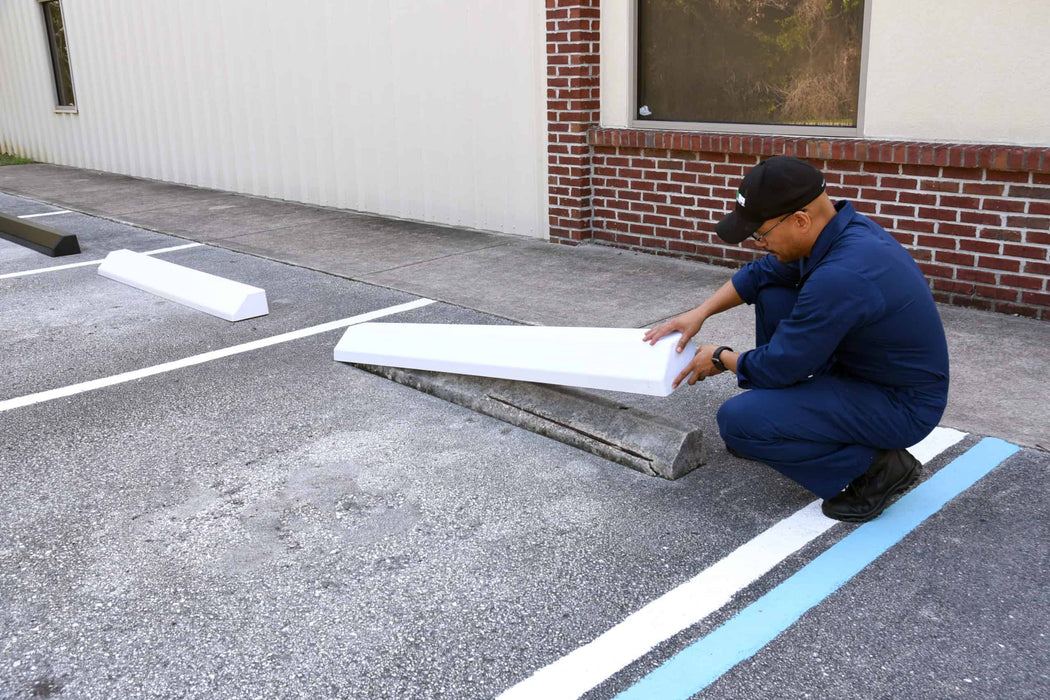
(572, 107)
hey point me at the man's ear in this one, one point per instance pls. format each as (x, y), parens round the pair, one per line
(805, 222)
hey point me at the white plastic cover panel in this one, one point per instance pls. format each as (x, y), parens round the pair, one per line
(595, 358)
(215, 295)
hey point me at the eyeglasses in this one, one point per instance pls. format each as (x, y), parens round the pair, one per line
(759, 236)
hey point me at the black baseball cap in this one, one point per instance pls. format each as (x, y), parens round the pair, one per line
(775, 187)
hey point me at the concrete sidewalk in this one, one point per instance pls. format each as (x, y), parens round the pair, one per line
(999, 386)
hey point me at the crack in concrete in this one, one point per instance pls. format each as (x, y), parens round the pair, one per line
(573, 428)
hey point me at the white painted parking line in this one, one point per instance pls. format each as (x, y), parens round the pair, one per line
(688, 604)
(73, 389)
(38, 271)
(46, 213)
(935, 443)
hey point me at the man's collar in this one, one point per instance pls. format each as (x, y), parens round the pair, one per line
(826, 237)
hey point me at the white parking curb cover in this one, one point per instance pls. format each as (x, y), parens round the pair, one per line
(217, 296)
(615, 359)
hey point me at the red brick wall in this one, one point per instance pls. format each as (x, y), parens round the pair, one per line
(572, 107)
(977, 219)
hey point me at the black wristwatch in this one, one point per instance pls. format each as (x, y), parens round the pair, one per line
(716, 361)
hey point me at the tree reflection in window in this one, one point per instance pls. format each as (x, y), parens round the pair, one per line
(750, 61)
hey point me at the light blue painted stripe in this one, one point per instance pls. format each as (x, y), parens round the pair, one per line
(706, 660)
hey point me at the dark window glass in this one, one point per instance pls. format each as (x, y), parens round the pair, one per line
(791, 62)
(56, 40)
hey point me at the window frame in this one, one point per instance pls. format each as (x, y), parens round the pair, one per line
(52, 57)
(633, 122)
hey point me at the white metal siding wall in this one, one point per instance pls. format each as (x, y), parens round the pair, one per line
(423, 109)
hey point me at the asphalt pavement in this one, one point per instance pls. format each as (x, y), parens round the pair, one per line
(275, 524)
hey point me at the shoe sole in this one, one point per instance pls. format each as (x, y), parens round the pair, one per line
(899, 488)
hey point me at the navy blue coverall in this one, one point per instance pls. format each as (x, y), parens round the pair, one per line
(850, 357)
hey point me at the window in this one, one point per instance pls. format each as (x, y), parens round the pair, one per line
(56, 41)
(771, 62)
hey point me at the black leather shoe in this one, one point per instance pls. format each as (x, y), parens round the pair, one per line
(892, 472)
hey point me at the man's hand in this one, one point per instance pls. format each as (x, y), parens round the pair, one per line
(699, 368)
(688, 324)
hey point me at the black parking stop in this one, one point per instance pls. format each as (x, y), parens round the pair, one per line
(40, 238)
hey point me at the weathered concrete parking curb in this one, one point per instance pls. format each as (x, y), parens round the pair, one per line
(40, 238)
(637, 439)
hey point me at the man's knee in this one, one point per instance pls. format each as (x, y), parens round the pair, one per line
(732, 416)
(752, 415)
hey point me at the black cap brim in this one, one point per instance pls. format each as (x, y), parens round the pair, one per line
(735, 228)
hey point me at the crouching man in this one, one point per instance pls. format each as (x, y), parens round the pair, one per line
(850, 364)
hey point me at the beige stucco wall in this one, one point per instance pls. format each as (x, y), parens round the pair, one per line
(972, 71)
(959, 70)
